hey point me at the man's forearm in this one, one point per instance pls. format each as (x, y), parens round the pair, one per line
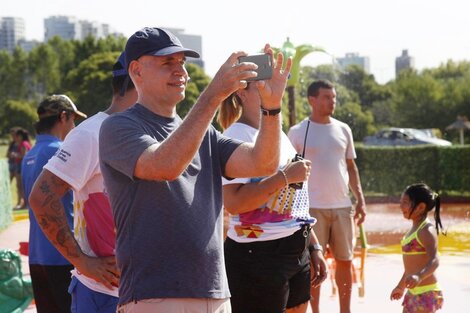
(355, 183)
(171, 157)
(45, 201)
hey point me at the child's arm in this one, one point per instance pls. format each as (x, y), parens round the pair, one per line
(399, 290)
(429, 240)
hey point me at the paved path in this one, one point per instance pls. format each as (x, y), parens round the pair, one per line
(381, 275)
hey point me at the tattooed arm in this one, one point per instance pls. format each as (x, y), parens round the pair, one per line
(45, 202)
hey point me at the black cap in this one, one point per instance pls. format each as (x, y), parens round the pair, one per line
(154, 41)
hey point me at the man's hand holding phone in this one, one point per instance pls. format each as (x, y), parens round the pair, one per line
(271, 89)
(263, 61)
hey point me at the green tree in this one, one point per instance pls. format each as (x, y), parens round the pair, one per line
(418, 100)
(90, 46)
(6, 61)
(361, 122)
(323, 71)
(65, 51)
(89, 85)
(356, 79)
(20, 113)
(383, 112)
(199, 80)
(44, 71)
(17, 81)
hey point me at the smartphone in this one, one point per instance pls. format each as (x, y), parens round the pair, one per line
(264, 70)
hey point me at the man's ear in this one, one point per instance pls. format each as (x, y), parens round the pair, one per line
(135, 68)
(311, 100)
(63, 116)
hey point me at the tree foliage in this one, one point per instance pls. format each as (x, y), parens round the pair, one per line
(89, 84)
(432, 98)
(20, 113)
(199, 80)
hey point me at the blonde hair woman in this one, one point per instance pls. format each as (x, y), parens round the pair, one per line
(269, 227)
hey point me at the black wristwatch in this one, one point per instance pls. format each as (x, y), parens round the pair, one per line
(315, 247)
(273, 112)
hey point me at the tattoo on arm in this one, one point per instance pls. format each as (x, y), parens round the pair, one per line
(52, 218)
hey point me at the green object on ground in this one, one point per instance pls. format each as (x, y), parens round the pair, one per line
(5, 195)
(16, 292)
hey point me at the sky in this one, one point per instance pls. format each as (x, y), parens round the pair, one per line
(432, 31)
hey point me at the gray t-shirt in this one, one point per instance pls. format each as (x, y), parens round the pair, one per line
(169, 233)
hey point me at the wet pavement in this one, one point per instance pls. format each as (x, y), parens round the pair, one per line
(383, 268)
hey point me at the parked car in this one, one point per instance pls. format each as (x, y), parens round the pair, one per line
(404, 137)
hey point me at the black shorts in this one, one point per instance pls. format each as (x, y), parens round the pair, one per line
(268, 276)
(50, 287)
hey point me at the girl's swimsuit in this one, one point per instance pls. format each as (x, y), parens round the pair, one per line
(428, 297)
(411, 244)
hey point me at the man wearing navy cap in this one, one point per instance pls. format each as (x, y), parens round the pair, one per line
(76, 166)
(163, 175)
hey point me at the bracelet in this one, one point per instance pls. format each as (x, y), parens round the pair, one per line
(273, 112)
(315, 247)
(285, 177)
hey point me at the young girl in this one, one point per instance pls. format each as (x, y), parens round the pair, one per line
(419, 248)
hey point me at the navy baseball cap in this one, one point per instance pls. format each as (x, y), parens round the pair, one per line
(154, 41)
(120, 67)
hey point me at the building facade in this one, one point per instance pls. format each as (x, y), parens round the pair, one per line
(353, 58)
(66, 27)
(193, 42)
(12, 31)
(70, 28)
(404, 62)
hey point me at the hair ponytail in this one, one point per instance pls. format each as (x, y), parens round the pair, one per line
(230, 111)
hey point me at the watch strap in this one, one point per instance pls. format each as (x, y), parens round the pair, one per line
(273, 112)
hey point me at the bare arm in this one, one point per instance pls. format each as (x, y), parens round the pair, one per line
(399, 289)
(168, 159)
(263, 158)
(242, 198)
(318, 266)
(355, 185)
(45, 202)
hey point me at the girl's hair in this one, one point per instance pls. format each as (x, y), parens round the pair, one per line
(23, 133)
(230, 111)
(421, 192)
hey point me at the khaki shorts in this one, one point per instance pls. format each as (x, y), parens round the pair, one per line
(177, 305)
(335, 228)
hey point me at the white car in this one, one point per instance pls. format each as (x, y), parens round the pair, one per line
(404, 137)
